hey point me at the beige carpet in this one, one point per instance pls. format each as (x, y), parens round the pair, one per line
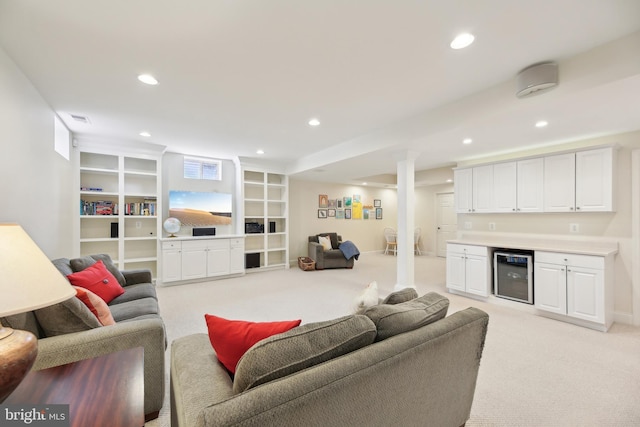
(534, 371)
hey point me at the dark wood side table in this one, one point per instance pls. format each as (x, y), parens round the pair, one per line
(103, 391)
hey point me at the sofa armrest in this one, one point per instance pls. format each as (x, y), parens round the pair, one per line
(316, 253)
(146, 333)
(133, 277)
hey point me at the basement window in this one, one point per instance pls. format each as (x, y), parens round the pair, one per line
(209, 169)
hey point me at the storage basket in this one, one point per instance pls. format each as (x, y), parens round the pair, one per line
(306, 264)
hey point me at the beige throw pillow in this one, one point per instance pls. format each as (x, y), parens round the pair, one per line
(325, 242)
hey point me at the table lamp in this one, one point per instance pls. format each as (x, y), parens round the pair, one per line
(28, 281)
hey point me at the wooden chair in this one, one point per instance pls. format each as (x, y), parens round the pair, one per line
(416, 240)
(391, 237)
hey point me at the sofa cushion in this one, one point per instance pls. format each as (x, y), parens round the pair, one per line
(301, 348)
(232, 338)
(403, 295)
(134, 309)
(96, 305)
(98, 280)
(79, 264)
(63, 265)
(66, 317)
(23, 321)
(395, 319)
(135, 292)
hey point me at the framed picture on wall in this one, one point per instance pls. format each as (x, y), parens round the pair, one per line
(322, 213)
(323, 201)
(378, 213)
(339, 204)
(340, 214)
(331, 213)
(332, 204)
(377, 203)
(347, 214)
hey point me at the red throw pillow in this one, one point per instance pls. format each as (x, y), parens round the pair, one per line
(97, 306)
(98, 280)
(232, 338)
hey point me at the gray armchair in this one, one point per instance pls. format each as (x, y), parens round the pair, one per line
(332, 258)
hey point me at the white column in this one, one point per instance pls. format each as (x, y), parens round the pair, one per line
(406, 219)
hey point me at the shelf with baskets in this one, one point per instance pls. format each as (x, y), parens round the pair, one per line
(266, 219)
(119, 197)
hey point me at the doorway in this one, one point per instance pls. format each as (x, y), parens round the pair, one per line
(446, 222)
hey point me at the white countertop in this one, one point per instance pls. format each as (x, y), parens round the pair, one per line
(545, 243)
(222, 236)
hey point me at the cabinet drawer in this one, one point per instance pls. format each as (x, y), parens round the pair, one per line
(236, 243)
(588, 261)
(171, 245)
(194, 245)
(218, 244)
(467, 249)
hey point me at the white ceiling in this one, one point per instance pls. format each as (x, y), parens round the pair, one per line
(237, 76)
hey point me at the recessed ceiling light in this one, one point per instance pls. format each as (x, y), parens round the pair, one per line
(364, 183)
(467, 141)
(145, 134)
(449, 180)
(260, 152)
(462, 40)
(148, 79)
(541, 123)
(314, 122)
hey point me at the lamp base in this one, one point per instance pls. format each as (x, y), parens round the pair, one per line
(18, 350)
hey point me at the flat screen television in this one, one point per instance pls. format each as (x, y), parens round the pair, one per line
(201, 209)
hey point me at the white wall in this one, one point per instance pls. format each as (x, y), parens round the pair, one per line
(304, 222)
(173, 179)
(37, 185)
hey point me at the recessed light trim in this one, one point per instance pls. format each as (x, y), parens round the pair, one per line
(148, 79)
(314, 122)
(259, 151)
(145, 134)
(467, 141)
(462, 40)
(541, 123)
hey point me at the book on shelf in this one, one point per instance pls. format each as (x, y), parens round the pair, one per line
(99, 207)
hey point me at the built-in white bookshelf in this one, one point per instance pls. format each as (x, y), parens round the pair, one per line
(119, 205)
(266, 205)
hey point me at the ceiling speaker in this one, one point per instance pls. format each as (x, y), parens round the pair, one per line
(537, 78)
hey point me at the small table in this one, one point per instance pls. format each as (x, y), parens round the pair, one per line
(103, 391)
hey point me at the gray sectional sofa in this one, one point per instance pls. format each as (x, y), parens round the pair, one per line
(68, 331)
(403, 364)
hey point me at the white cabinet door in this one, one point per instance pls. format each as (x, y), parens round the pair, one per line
(550, 287)
(504, 187)
(456, 271)
(236, 264)
(476, 275)
(585, 293)
(482, 189)
(463, 190)
(530, 185)
(217, 261)
(559, 183)
(594, 180)
(171, 265)
(194, 260)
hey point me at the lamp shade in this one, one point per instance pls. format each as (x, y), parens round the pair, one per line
(28, 279)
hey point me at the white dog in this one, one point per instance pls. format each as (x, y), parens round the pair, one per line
(368, 298)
